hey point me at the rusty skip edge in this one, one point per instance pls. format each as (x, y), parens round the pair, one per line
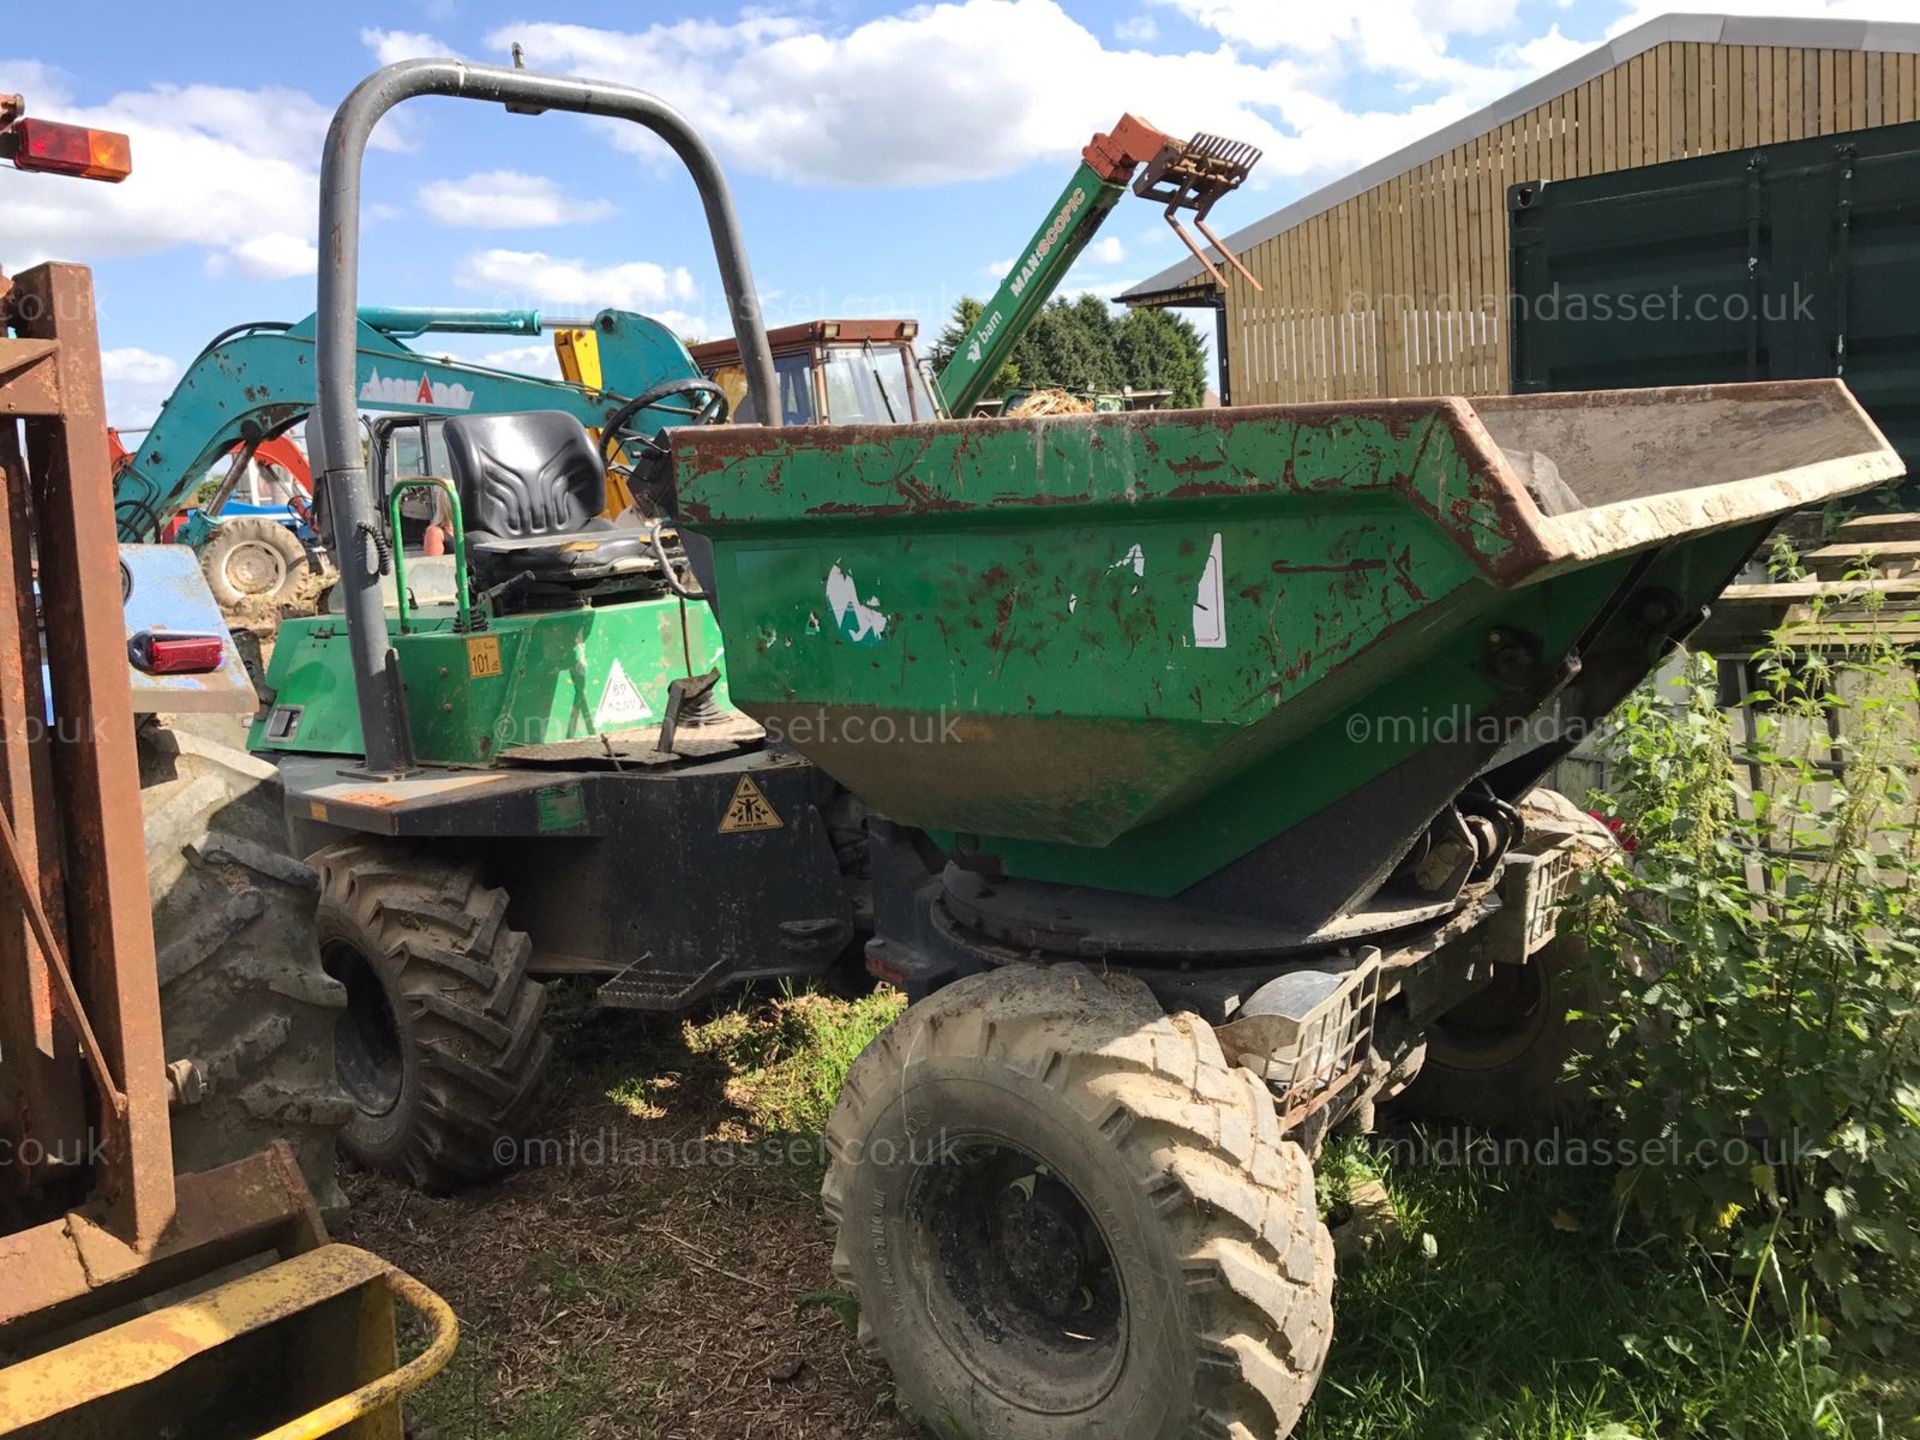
(1519, 546)
(1628, 525)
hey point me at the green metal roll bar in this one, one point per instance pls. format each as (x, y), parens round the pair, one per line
(463, 618)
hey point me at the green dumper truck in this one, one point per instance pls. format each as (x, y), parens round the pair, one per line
(1204, 744)
(1180, 767)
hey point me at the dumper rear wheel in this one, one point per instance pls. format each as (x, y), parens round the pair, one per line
(247, 1014)
(1063, 1213)
(1498, 1061)
(441, 1046)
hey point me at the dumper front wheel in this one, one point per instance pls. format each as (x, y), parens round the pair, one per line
(1063, 1214)
(441, 1044)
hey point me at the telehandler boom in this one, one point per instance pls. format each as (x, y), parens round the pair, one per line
(1188, 175)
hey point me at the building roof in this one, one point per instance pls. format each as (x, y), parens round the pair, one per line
(1188, 282)
(808, 333)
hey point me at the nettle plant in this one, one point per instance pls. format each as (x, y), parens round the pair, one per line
(1761, 1050)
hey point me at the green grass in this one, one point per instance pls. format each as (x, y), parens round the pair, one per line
(787, 1058)
(1511, 1313)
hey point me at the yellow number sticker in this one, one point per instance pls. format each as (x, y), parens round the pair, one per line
(483, 656)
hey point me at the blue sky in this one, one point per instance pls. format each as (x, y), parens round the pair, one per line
(885, 158)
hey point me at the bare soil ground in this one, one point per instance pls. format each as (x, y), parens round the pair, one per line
(644, 1275)
(656, 1273)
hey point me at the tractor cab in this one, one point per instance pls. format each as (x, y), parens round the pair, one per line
(834, 372)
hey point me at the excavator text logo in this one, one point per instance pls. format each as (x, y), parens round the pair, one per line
(398, 390)
(1049, 238)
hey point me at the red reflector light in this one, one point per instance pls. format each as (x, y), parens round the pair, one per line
(56, 149)
(881, 967)
(177, 654)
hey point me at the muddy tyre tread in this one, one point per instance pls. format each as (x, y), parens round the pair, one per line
(1199, 1136)
(242, 993)
(229, 535)
(477, 1049)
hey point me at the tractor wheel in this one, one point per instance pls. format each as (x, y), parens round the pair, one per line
(1064, 1214)
(247, 1014)
(251, 561)
(1497, 1061)
(441, 1045)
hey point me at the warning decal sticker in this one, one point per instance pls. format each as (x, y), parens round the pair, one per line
(748, 810)
(621, 702)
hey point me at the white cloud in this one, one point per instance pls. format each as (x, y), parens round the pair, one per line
(275, 256)
(1550, 51)
(1107, 250)
(517, 278)
(137, 382)
(936, 93)
(391, 46)
(507, 200)
(541, 360)
(1383, 29)
(1137, 30)
(135, 366)
(1411, 38)
(231, 171)
(860, 107)
(999, 269)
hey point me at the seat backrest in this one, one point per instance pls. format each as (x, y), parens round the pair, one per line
(526, 475)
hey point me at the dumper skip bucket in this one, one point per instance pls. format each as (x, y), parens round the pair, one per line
(1129, 650)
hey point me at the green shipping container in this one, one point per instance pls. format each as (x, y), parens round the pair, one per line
(1786, 262)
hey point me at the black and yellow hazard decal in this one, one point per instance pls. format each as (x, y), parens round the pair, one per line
(748, 810)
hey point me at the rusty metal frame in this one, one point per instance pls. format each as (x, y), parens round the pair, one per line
(73, 1267)
(201, 1359)
(69, 778)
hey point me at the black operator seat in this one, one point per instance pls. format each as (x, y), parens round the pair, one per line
(532, 487)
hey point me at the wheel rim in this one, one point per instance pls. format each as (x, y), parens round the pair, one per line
(1497, 1025)
(1019, 1276)
(367, 1051)
(255, 568)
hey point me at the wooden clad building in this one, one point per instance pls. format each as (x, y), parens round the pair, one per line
(1393, 280)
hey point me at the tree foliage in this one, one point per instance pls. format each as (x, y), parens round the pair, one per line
(1081, 345)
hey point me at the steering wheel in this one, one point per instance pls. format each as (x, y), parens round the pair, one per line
(710, 411)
